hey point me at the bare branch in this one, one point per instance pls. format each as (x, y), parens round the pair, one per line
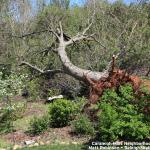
(53, 32)
(33, 33)
(25, 35)
(40, 70)
(132, 31)
(98, 42)
(61, 30)
(81, 36)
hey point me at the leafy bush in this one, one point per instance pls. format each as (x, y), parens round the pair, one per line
(132, 124)
(61, 112)
(17, 110)
(10, 113)
(83, 125)
(107, 126)
(110, 96)
(38, 125)
(11, 85)
(121, 97)
(6, 123)
(80, 102)
(124, 122)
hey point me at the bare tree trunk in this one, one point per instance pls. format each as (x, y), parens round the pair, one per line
(75, 71)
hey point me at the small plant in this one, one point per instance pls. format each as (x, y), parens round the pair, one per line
(61, 112)
(83, 125)
(38, 125)
(10, 113)
(17, 110)
(6, 123)
(80, 102)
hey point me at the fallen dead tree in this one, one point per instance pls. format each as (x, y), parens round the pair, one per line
(110, 77)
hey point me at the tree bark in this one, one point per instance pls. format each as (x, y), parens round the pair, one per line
(75, 71)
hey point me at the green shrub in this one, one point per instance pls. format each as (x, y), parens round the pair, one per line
(110, 96)
(11, 85)
(38, 125)
(126, 92)
(132, 124)
(121, 97)
(61, 112)
(10, 113)
(125, 123)
(83, 125)
(107, 125)
(17, 110)
(6, 123)
(80, 102)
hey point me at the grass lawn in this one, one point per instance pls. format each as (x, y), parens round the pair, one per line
(56, 147)
(32, 110)
(4, 143)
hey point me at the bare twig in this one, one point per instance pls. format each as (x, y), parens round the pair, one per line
(40, 70)
(26, 35)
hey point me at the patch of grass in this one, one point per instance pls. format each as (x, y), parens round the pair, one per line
(4, 143)
(56, 147)
(39, 106)
(24, 123)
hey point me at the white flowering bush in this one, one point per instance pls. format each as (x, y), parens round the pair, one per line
(11, 85)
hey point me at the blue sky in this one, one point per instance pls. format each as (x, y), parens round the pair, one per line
(81, 1)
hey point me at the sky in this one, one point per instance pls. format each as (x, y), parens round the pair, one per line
(80, 1)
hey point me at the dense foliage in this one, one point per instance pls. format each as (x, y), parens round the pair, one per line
(61, 112)
(10, 113)
(38, 125)
(122, 116)
(83, 125)
(124, 124)
(11, 85)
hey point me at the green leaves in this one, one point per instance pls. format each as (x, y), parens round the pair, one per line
(39, 125)
(11, 85)
(121, 115)
(61, 112)
(83, 125)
